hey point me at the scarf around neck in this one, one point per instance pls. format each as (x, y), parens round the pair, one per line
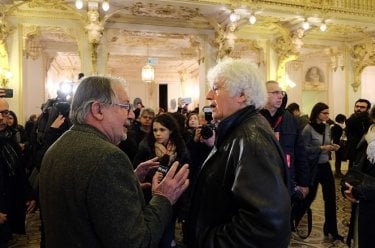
(169, 149)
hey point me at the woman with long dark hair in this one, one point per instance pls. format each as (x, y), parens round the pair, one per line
(165, 142)
(317, 137)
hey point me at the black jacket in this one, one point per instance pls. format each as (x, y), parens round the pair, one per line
(356, 126)
(293, 146)
(241, 198)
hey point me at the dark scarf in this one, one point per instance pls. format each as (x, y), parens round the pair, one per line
(319, 127)
(274, 120)
(8, 156)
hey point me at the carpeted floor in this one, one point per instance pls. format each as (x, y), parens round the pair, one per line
(316, 239)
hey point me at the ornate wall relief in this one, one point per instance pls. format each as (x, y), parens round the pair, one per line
(362, 55)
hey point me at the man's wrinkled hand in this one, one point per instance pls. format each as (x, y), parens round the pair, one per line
(143, 168)
(173, 184)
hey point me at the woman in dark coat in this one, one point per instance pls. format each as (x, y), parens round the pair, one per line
(166, 143)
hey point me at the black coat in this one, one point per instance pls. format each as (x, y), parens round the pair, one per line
(365, 193)
(15, 189)
(241, 198)
(293, 146)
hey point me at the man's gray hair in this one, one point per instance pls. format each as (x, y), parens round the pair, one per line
(240, 77)
(149, 111)
(91, 89)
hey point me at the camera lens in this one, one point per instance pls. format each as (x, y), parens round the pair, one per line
(206, 132)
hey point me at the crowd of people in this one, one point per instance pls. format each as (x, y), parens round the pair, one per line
(107, 175)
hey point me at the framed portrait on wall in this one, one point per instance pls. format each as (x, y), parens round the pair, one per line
(315, 79)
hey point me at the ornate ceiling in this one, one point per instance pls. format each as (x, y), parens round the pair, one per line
(173, 32)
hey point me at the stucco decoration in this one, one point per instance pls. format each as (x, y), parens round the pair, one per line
(164, 11)
(362, 55)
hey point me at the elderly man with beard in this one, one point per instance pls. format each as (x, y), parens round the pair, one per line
(89, 192)
(240, 198)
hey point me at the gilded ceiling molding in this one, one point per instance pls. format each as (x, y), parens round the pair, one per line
(244, 46)
(163, 11)
(4, 28)
(32, 46)
(49, 4)
(362, 55)
(287, 47)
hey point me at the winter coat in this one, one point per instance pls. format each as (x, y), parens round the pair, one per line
(241, 198)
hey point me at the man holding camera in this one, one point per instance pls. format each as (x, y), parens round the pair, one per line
(89, 192)
(240, 198)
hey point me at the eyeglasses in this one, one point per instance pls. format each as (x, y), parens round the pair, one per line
(127, 106)
(325, 113)
(4, 112)
(278, 92)
(216, 89)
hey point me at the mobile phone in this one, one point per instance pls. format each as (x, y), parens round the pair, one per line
(8, 93)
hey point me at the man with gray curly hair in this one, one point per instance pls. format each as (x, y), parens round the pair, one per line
(240, 198)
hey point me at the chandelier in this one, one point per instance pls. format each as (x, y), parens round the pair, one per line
(93, 4)
(148, 72)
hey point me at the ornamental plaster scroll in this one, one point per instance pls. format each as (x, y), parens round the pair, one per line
(50, 4)
(164, 11)
(362, 55)
(4, 28)
(287, 48)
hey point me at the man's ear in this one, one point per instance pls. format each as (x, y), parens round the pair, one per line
(241, 98)
(96, 110)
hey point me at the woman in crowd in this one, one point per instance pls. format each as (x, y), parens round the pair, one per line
(166, 143)
(17, 129)
(22, 139)
(317, 137)
(364, 192)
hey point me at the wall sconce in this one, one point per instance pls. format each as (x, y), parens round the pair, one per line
(5, 75)
(93, 4)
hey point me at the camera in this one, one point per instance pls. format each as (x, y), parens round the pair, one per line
(8, 93)
(207, 131)
(63, 108)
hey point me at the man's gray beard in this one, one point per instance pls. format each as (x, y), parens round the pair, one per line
(124, 136)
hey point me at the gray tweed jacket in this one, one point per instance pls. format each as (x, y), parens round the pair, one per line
(90, 196)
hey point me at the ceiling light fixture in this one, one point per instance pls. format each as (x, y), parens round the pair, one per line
(252, 19)
(234, 16)
(306, 25)
(148, 72)
(93, 4)
(323, 26)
